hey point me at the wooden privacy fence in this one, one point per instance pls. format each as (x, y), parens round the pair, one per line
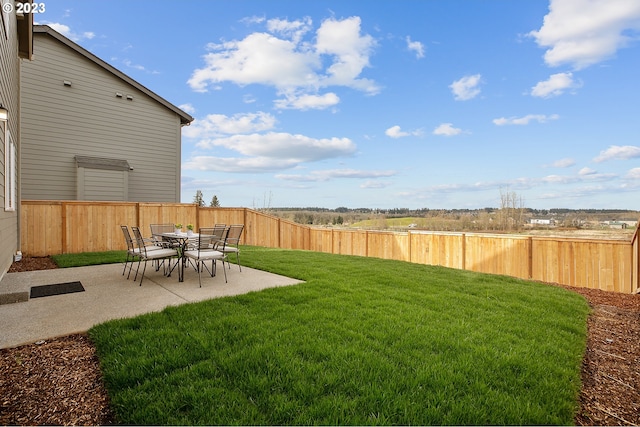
(55, 227)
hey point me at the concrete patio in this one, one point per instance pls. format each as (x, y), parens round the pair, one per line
(109, 295)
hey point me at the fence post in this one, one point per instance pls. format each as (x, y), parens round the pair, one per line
(464, 251)
(530, 258)
(635, 261)
(366, 242)
(64, 228)
(244, 221)
(333, 238)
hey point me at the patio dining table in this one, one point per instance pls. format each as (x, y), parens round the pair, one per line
(181, 240)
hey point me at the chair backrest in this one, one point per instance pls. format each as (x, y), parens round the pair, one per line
(235, 231)
(207, 239)
(127, 237)
(139, 240)
(161, 228)
(219, 230)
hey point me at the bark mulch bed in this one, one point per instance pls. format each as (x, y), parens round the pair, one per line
(59, 382)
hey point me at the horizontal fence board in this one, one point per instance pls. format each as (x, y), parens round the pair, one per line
(55, 227)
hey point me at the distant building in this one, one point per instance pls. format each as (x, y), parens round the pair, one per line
(540, 221)
(619, 225)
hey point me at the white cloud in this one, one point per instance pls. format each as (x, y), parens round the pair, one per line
(187, 108)
(259, 58)
(138, 67)
(215, 125)
(298, 148)
(373, 185)
(586, 171)
(583, 176)
(466, 88)
(66, 31)
(556, 85)
(307, 102)
(446, 129)
(291, 65)
(293, 30)
(249, 20)
(326, 175)
(584, 32)
(617, 152)
(540, 118)
(633, 174)
(274, 152)
(238, 164)
(559, 179)
(350, 51)
(563, 163)
(416, 47)
(396, 132)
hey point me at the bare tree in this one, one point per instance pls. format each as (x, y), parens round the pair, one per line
(266, 203)
(215, 203)
(511, 213)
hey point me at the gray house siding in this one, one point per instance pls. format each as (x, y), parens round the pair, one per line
(14, 43)
(9, 84)
(99, 184)
(72, 107)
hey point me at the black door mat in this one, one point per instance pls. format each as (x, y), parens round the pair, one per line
(57, 289)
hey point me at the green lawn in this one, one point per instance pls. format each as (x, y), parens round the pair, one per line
(389, 222)
(364, 341)
(89, 258)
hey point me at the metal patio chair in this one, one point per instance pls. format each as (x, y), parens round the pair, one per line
(153, 253)
(158, 229)
(131, 249)
(232, 242)
(206, 248)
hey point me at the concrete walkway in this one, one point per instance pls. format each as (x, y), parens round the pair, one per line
(109, 295)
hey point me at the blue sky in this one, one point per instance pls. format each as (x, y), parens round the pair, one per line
(381, 104)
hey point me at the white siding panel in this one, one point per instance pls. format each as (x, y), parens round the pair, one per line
(88, 119)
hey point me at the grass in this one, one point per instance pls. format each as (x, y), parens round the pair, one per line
(389, 222)
(363, 342)
(89, 258)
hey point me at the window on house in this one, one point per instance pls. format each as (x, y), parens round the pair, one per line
(10, 173)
